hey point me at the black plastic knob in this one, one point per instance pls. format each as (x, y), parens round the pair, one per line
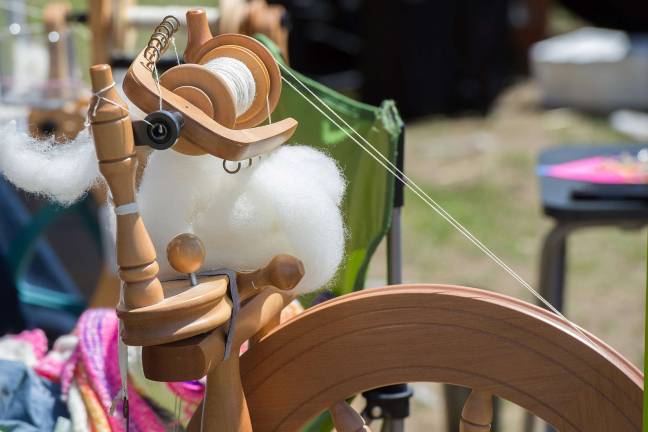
(159, 130)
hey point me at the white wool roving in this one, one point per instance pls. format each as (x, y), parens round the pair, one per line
(62, 172)
(287, 202)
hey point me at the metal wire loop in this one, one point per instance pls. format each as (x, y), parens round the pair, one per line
(234, 171)
(173, 20)
(159, 40)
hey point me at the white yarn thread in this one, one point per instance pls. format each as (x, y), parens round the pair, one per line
(238, 78)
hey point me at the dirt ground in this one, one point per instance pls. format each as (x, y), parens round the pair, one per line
(482, 171)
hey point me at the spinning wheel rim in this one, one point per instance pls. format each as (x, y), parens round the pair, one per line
(442, 334)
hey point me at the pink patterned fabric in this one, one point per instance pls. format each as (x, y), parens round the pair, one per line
(90, 355)
(51, 365)
(36, 338)
(97, 331)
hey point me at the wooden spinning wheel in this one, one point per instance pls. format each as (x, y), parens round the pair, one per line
(66, 119)
(194, 326)
(489, 342)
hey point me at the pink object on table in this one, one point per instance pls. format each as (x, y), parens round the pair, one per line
(598, 169)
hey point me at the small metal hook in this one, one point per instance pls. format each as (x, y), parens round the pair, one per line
(238, 166)
(228, 171)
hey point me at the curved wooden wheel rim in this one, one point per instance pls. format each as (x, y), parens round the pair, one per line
(274, 74)
(457, 335)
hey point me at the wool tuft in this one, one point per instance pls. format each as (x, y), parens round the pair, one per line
(286, 202)
(62, 172)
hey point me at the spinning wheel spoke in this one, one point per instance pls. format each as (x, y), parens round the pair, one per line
(477, 413)
(346, 419)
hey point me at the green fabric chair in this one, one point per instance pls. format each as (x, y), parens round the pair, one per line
(370, 191)
(369, 199)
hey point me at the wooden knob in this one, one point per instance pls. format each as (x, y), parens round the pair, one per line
(197, 33)
(101, 76)
(186, 253)
(283, 272)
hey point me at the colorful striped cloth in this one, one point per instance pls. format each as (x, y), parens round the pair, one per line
(86, 365)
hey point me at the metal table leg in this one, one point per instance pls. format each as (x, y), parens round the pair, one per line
(553, 265)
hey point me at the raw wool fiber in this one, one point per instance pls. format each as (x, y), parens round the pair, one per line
(286, 202)
(61, 172)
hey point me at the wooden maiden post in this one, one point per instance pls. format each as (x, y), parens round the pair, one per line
(113, 136)
(184, 334)
(54, 15)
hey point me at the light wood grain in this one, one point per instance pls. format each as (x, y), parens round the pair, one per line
(346, 419)
(186, 253)
(185, 311)
(268, 20)
(99, 20)
(65, 121)
(66, 118)
(283, 272)
(198, 33)
(437, 333)
(113, 137)
(200, 129)
(259, 315)
(477, 413)
(54, 21)
(255, 16)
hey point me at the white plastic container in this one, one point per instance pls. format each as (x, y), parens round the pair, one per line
(592, 69)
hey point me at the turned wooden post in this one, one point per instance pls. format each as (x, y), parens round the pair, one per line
(477, 413)
(99, 20)
(54, 15)
(346, 419)
(113, 136)
(197, 33)
(226, 407)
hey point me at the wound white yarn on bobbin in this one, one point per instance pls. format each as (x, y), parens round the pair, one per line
(238, 78)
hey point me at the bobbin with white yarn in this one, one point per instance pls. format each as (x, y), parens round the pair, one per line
(252, 65)
(238, 78)
(233, 79)
(259, 62)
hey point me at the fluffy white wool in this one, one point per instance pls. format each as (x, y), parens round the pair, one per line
(287, 202)
(62, 172)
